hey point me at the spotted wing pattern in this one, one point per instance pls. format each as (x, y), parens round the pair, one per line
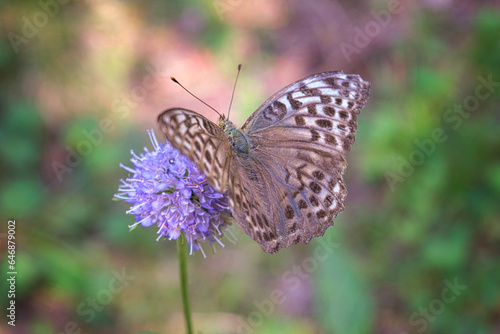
(300, 137)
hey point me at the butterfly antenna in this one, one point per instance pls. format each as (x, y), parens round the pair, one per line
(196, 97)
(234, 88)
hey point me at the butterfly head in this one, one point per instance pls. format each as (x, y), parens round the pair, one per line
(222, 123)
(227, 126)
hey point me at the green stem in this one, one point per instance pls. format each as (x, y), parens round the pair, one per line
(182, 250)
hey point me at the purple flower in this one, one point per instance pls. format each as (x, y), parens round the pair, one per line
(167, 189)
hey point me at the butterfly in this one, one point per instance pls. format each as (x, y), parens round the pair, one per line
(283, 168)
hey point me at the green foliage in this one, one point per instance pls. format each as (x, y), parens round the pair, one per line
(344, 301)
(436, 222)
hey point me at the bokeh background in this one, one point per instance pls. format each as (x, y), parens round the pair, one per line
(416, 249)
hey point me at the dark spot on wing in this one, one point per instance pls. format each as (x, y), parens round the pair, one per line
(289, 213)
(314, 200)
(343, 114)
(316, 188)
(321, 214)
(299, 120)
(311, 109)
(330, 139)
(315, 135)
(324, 123)
(318, 175)
(329, 111)
(302, 204)
(325, 99)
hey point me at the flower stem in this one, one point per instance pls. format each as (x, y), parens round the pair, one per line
(182, 250)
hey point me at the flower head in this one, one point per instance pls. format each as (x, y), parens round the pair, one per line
(167, 189)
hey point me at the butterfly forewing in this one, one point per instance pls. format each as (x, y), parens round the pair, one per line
(288, 187)
(202, 141)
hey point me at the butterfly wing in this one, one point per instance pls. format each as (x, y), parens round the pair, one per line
(202, 141)
(299, 138)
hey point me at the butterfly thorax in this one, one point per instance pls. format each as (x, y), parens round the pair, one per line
(236, 137)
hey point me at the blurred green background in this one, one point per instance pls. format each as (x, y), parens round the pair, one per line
(416, 249)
